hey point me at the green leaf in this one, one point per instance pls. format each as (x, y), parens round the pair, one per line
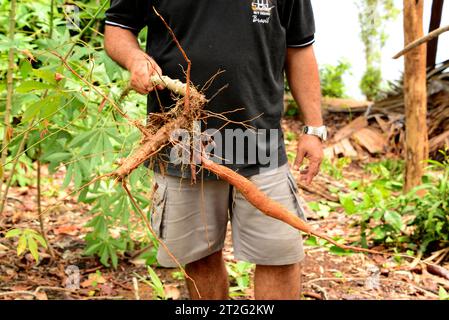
(104, 255)
(348, 204)
(57, 157)
(311, 241)
(442, 293)
(44, 107)
(339, 251)
(80, 139)
(68, 177)
(77, 175)
(53, 103)
(40, 239)
(32, 245)
(25, 68)
(394, 219)
(93, 248)
(47, 75)
(156, 283)
(13, 233)
(379, 233)
(28, 86)
(22, 245)
(113, 255)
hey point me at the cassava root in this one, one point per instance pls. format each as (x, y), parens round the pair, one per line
(249, 190)
(268, 206)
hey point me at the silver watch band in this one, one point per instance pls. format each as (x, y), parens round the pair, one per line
(320, 132)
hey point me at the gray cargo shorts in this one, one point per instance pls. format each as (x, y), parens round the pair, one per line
(192, 220)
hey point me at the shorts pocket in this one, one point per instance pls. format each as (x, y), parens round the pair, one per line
(158, 214)
(299, 202)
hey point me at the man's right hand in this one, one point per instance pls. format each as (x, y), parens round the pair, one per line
(142, 67)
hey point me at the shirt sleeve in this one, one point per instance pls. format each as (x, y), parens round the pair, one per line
(128, 14)
(299, 22)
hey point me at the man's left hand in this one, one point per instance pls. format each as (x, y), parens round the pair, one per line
(309, 147)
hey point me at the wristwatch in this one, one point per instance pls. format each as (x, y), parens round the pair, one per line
(320, 132)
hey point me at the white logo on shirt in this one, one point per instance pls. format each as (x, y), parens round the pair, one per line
(262, 10)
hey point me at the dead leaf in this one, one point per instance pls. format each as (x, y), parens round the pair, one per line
(107, 290)
(20, 288)
(138, 262)
(27, 53)
(69, 230)
(93, 280)
(41, 295)
(3, 249)
(172, 292)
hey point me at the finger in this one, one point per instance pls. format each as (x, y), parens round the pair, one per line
(299, 159)
(140, 90)
(314, 168)
(139, 87)
(158, 71)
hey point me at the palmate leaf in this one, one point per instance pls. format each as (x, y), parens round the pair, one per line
(81, 138)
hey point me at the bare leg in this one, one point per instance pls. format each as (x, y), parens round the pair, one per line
(278, 282)
(210, 276)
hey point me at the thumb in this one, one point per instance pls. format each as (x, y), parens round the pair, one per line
(299, 159)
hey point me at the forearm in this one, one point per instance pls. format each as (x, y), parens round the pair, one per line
(304, 80)
(122, 46)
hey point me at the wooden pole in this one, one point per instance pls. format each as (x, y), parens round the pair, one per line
(415, 95)
(435, 22)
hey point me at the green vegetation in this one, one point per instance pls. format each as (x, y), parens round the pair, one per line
(239, 274)
(373, 18)
(65, 122)
(29, 240)
(416, 221)
(332, 84)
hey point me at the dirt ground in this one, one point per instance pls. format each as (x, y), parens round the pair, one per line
(325, 275)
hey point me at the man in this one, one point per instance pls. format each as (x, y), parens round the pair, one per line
(254, 42)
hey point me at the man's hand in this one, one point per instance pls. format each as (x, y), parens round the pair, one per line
(142, 67)
(122, 46)
(309, 147)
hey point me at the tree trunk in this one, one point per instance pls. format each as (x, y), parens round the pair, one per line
(415, 95)
(435, 22)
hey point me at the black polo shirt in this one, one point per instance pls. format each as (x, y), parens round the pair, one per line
(245, 38)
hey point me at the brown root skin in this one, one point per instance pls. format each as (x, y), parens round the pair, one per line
(268, 206)
(153, 143)
(149, 148)
(252, 194)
